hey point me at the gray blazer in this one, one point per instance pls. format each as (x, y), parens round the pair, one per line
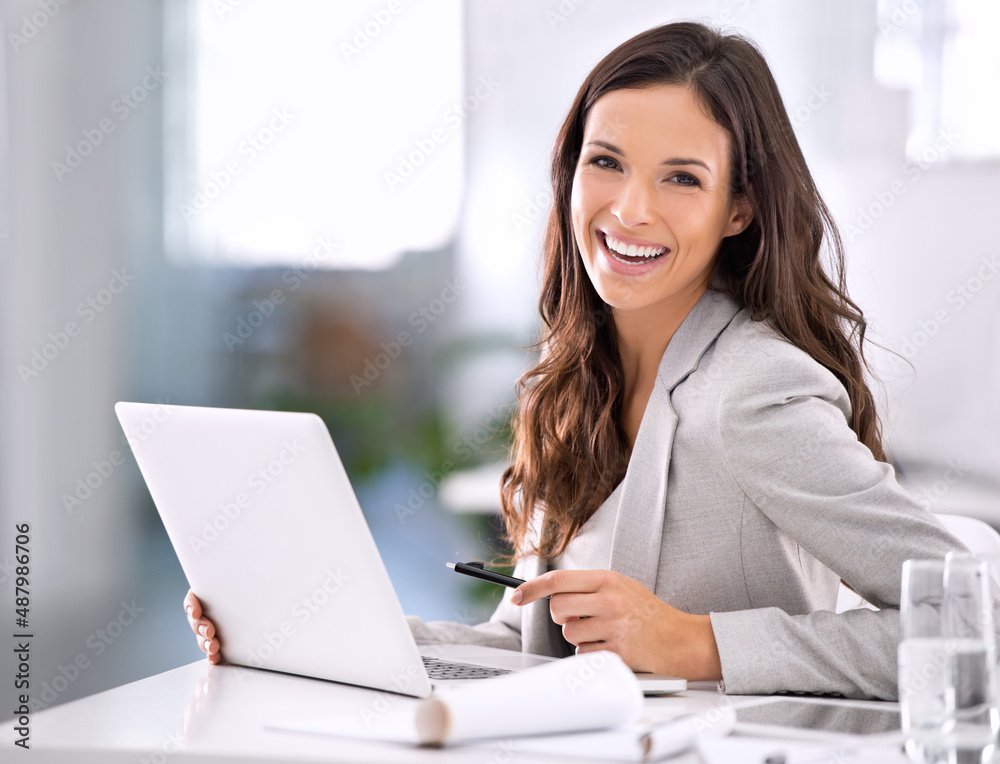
(748, 497)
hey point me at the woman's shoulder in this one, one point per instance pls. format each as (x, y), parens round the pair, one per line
(752, 357)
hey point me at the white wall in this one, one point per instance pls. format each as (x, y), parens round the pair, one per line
(71, 235)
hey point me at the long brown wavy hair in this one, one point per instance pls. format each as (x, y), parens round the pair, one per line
(569, 450)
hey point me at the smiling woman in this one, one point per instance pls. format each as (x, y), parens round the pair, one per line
(649, 214)
(682, 198)
(697, 460)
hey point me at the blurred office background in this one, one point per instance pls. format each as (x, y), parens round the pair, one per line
(337, 207)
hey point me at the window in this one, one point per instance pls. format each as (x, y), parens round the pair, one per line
(943, 51)
(309, 127)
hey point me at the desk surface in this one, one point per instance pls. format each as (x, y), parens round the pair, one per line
(204, 713)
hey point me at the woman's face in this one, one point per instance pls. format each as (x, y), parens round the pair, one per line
(650, 199)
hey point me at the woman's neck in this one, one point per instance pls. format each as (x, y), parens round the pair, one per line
(643, 335)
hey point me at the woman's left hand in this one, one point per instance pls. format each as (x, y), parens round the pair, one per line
(605, 610)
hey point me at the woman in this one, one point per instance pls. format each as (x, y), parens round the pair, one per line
(697, 459)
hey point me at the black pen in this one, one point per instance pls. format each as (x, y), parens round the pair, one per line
(477, 570)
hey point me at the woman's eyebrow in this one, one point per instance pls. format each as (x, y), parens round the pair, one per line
(673, 162)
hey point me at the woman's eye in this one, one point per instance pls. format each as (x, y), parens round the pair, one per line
(605, 162)
(683, 179)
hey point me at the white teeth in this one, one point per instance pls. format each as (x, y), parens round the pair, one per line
(632, 250)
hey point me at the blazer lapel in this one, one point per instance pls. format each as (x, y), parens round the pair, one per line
(539, 633)
(635, 549)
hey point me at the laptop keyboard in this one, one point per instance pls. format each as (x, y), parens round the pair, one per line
(439, 669)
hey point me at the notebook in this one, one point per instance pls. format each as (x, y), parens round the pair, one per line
(269, 532)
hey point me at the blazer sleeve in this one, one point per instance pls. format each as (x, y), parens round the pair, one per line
(783, 427)
(502, 630)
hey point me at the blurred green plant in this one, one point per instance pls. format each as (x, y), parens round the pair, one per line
(371, 434)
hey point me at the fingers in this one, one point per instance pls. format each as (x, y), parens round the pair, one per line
(567, 606)
(580, 631)
(203, 628)
(204, 633)
(593, 647)
(556, 581)
(212, 649)
(192, 606)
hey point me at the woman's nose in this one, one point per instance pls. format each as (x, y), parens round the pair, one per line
(633, 205)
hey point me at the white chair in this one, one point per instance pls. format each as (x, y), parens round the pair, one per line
(980, 537)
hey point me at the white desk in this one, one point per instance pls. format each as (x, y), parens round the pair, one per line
(216, 714)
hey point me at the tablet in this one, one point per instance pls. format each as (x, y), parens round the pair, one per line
(819, 719)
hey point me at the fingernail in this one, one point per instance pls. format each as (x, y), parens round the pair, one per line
(190, 609)
(208, 643)
(203, 630)
(517, 597)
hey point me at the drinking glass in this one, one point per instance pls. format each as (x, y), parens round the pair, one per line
(947, 660)
(971, 637)
(985, 641)
(926, 706)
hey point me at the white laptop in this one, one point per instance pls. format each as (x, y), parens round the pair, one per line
(270, 535)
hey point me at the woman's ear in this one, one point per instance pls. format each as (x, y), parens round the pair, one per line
(740, 216)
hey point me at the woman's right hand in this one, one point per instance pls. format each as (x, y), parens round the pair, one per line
(204, 629)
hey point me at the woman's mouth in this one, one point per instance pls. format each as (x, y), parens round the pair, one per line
(630, 254)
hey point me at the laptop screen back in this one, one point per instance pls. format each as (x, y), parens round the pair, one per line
(269, 532)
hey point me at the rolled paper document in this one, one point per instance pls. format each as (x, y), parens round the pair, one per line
(591, 691)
